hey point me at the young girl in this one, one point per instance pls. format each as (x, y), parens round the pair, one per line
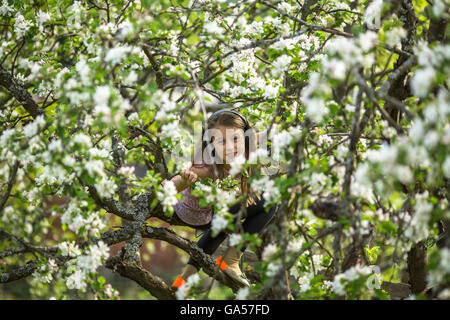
(231, 142)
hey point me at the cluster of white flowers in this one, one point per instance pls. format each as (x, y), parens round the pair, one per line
(258, 156)
(83, 70)
(267, 188)
(82, 140)
(101, 98)
(84, 264)
(69, 248)
(124, 29)
(5, 8)
(394, 36)
(242, 293)
(45, 272)
(418, 229)
(235, 239)
(127, 171)
(110, 291)
(106, 187)
(213, 27)
(243, 61)
(42, 17)
(117, 54)
(270, 91)
(335, 68)
(441, 8)
(305, 281)
(341, 280)
(272, 269)
(167, 196)
(21, 26)
(33, 127)
(430, 61)
(74, 219)
(269, 251)
(53, 173)
(94, 167)
(168, 106)
(282, 140)
(437, 275)
(237, 164)
(219, 223)
(183, 290)
(285, 7)
(372, 14)
(313, 97)
(343, 53)
(244, 68)
(74, 15)
(253, 29)
(171, 130)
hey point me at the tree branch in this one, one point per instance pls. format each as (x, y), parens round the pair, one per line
(23, 96)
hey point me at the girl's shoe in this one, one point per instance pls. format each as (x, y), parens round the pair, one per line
(179, 281)
(229, 264)
(188, 271)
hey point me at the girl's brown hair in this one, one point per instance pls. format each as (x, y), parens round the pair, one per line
(230, 119)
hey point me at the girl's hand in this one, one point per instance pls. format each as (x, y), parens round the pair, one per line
(188, 176)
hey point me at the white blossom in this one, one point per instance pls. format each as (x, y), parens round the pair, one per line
(285, 7)
(259, 155)
(372, 14)
(237, 164)
(77, 280)
(235, 239)
(295, 245)
(5, 8)
(422, 80)
(126, 171)
(42, 17)
(213, 27)
(21, 26)
(305, 282)
(270, 91)
(32, 128)
(117, 54)
(168, 196)
(124, 29)
(254, 29)
(394, 36)
(367, 40)
(218, 223)
(94, 167)
(69, 249)
(84, 71)
(281, 64)
(272, 269)
(335, 68)
(102, 94)
(269, 251)
(242, 293)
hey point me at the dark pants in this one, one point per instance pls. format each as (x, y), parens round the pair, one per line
(255, 220)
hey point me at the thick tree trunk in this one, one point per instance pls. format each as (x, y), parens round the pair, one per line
(417, 262)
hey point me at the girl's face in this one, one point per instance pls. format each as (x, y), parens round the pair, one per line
(229, 142)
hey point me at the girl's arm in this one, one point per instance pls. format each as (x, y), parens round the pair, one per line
(187, 177)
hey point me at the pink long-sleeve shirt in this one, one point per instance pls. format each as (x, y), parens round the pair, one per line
(189, 209)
